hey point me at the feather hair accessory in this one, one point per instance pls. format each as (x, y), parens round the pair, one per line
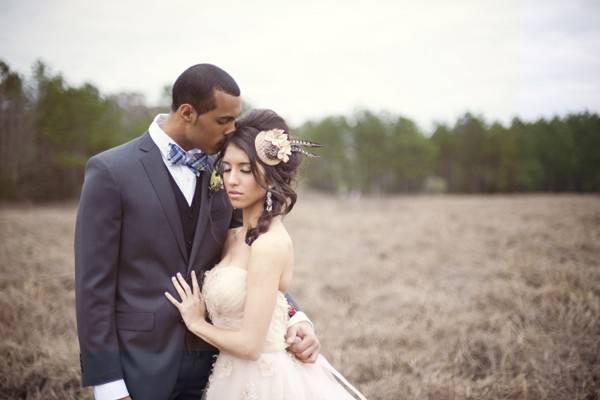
(274, 146)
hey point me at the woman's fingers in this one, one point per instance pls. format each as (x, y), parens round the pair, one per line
(178, 288)
(195, 285)
(172, 299)
(184, 284)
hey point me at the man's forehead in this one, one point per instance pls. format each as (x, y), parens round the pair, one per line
(221, 95)
(227, 104)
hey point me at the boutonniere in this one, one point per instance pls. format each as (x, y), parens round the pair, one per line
(216, 182)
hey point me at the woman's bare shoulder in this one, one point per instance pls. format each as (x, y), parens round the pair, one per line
(274, 242)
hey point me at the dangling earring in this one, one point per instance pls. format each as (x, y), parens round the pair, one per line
(269, 207)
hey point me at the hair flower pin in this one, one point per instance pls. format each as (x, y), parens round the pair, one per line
(274, 146)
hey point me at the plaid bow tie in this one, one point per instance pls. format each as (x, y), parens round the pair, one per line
(197, 162)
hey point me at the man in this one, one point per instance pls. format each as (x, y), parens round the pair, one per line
(146, 213)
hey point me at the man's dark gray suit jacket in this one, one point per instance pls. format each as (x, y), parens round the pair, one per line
(128, 243)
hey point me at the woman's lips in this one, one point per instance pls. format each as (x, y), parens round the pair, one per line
(234, 194)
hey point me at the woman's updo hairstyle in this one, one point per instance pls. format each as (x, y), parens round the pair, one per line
(277, 179)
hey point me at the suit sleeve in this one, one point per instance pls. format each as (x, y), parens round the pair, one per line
(97, 241)
(299, 316)
(291, 302)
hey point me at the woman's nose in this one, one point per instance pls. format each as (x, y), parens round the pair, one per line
(232, 179)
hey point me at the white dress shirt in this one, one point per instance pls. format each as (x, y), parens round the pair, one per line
(183, 176)
(186, 181)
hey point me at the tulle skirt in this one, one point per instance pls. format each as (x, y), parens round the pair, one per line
(276, 376)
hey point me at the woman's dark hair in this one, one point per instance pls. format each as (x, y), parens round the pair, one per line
(195, 86)
(278, 179)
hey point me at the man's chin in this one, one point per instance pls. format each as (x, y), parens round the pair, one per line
(213, 149)
(210, 151)
(220, 146)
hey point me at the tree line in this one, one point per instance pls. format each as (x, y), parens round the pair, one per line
(389, 154)
(48, 130)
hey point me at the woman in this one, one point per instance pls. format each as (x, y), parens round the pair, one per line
(244, 293)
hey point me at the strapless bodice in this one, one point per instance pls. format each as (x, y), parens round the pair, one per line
(224, 291)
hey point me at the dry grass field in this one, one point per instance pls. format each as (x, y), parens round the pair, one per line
(450, 297)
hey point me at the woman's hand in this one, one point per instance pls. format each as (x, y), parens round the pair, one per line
(191, 307)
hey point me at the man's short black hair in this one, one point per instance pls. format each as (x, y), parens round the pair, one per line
(196, 84)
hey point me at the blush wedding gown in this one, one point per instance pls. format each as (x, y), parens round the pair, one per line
(277, 374)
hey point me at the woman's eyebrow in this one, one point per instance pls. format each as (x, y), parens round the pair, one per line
(240, 163)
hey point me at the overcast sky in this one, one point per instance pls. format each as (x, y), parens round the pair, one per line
(428, 60)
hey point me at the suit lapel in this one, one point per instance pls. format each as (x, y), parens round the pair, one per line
(203, 222)
(157, 173)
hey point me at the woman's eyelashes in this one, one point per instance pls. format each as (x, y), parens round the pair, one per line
(242, 170)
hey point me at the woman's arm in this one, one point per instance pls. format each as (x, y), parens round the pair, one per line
(268, 255)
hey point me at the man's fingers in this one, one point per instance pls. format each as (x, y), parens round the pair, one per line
(172, 299)
(184, 284)
(305, 355)
(299, 347)
(178, 288)
(313, 358)
(307, 346)
(308, 360)
(291, 334)
(303, 345)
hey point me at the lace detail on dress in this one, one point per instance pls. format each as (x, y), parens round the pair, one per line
(224, 292)
(249, 392)
(277, 374)
(222, 367)
(265, 367)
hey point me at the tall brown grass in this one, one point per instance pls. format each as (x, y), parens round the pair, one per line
(452, 297)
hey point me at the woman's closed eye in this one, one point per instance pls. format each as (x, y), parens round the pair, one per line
(243, 170)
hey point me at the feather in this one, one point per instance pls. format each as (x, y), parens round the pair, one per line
(307, 143)
(301, 150)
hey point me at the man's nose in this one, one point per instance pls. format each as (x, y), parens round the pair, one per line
(230, 129)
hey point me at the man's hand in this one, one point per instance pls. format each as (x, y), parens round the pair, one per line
(303, 342)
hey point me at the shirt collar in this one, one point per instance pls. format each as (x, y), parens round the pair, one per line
(161, 139)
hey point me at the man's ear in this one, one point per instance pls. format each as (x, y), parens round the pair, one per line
(187, 113)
